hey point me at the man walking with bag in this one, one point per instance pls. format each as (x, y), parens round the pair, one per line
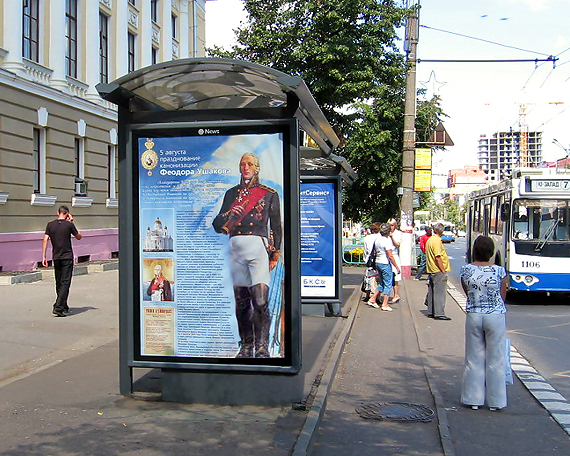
(59, 232)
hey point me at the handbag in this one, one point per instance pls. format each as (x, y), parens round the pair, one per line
(371, 261)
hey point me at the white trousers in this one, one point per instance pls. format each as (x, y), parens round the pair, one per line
(485, 347)
(249, 261)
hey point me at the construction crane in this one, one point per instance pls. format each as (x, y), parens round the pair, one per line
(523, 128)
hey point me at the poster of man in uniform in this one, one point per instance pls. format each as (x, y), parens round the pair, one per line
(225, 194)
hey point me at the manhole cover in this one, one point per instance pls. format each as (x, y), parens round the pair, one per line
(395, 411)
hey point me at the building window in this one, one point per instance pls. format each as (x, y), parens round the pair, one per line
(31, 30)
(111, 171)
(131, 52)
(154, 10)
(36, 170)
(174, 21)
(79, 154)
(103, 48)
(71, 38)
(39, 161)
(154, 55)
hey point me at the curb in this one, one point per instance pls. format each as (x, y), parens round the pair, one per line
(305, 440)
(21, 278)
(78, 269)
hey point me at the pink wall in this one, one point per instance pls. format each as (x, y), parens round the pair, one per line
(23, 251)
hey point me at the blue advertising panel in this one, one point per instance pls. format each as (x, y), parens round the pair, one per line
(211, 249)
(318, 239)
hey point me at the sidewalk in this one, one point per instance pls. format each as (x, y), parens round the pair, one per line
(406, 357)
(59, 387)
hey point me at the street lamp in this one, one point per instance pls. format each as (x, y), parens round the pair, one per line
(555, 141)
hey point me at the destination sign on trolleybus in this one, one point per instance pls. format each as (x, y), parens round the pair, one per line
(550, 185)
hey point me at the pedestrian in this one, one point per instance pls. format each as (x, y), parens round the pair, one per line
(59, 232)
(396, 236)
(371, 274)
(437, 267)
(384, 263)
(423, 241)
(485, 285)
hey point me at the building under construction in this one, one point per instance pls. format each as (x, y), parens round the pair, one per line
(499, 154)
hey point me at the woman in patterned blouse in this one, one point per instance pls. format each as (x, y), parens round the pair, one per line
(485, 285)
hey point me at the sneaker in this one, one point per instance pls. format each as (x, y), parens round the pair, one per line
(373, 304)
(387, 308)
(474, 407)
(494, 409)
(58, 314)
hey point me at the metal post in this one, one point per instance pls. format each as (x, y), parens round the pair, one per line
(406, 203)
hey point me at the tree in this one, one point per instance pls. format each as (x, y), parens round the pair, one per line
(449, 211)
(346, 52)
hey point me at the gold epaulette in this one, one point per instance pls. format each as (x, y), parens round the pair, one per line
(269, 189)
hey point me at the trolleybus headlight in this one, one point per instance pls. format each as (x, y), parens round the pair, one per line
(528, 280)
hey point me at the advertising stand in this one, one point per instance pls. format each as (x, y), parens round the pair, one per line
(209, 261)
(321, 231)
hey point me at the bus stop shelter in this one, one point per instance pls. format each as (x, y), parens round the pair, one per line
(174, 119)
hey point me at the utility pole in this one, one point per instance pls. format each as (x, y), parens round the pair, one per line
(406, 202)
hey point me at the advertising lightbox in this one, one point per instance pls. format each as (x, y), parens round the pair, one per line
(216, 266)
(319, 243)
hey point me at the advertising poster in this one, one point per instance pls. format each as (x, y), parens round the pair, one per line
(318, 253)
(211, 246)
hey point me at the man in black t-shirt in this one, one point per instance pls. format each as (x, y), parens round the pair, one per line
(59, 232)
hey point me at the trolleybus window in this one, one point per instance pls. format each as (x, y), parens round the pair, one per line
(540, 219)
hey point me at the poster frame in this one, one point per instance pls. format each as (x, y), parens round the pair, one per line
(337, 185)
(130, 243)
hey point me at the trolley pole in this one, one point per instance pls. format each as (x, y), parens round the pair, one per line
(406, 202)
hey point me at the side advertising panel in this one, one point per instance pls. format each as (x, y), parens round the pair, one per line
(212, 258)
(318, 239)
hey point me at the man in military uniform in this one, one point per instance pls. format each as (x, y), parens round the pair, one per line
(250, 215)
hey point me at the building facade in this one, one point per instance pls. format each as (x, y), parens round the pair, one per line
(58, 138)
(499, 154)
(463, 181)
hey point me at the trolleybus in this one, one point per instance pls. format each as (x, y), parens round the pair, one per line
(528, 217)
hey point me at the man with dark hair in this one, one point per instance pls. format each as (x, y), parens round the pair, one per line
(59, 232)
(437, 268)
(251, 216)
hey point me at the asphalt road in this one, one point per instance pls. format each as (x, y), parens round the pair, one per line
(538, 326)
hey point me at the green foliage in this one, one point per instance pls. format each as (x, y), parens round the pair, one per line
(346, 52)
(449, 211)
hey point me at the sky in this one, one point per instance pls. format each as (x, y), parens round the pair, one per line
(479, 98)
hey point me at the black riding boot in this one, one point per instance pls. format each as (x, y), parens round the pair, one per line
(244, 320)
(261, 319)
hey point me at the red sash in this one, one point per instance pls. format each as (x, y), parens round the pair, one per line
(248, 202)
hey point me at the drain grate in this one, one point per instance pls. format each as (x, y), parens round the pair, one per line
(395, 411)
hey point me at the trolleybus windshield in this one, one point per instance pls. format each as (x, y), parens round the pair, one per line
(541, 220)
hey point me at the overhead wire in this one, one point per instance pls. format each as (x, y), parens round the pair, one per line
(483, 40)
(550, 57)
